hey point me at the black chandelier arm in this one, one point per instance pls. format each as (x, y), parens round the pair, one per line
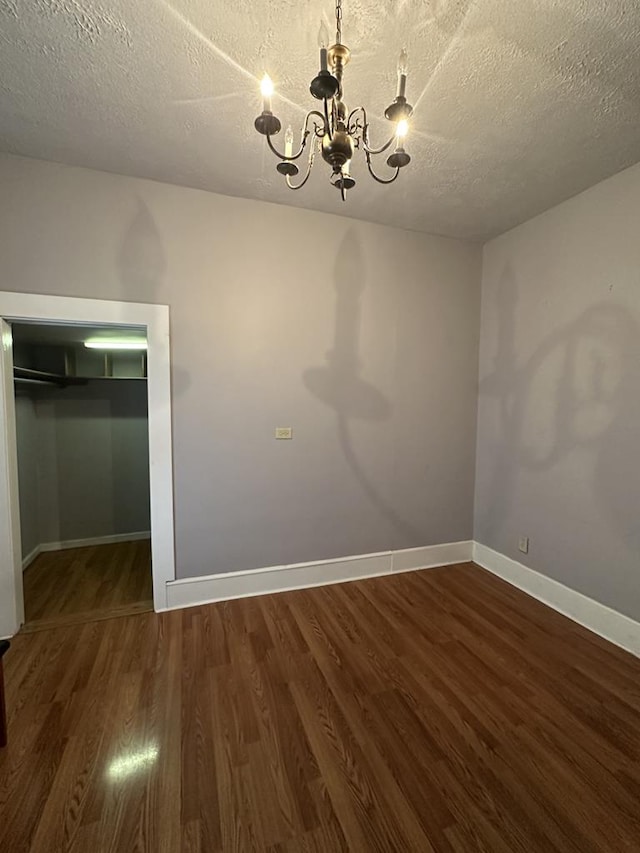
(353, 128)
(317, 114)
(374, 151)
(305, 133)
(299, 186)
(293, 156)
(376, 177)
(364, 127)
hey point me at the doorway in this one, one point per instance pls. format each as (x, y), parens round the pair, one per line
(148, 322)
(83, 471)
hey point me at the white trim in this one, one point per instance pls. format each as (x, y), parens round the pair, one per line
(26, 561)
(65, 309)
(187, 592)
(431, 556)
(602, 620)
(84, 543)
(11, 593)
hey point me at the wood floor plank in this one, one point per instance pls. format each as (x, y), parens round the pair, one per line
(431, 711)
(85, 584)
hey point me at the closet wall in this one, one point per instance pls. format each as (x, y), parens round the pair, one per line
(28, 453)
(83, 461)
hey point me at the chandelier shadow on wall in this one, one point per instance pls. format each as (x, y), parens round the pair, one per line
(334, 131)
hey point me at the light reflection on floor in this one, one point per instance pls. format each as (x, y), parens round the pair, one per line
(130, 763)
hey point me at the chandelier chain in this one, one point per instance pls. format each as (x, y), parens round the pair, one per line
(338, 21)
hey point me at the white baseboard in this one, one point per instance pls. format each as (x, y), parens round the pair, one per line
(431, 556)
(26, 561)
(84, 543)
(188, 592)
(602, 620)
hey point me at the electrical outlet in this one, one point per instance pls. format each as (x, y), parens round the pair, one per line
(284, 432)
(523, 544)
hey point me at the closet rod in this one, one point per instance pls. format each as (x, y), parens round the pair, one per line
(44, 375)
(25, 381)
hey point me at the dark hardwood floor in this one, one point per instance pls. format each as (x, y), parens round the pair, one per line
(84, 584)
(433, 711)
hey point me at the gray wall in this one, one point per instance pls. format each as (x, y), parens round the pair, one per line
(558, 454)
(83, 462)
(28, 452)
(362, 338)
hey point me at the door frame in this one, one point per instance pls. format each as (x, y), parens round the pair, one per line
(16, 307)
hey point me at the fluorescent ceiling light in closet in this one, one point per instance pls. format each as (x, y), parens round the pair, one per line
(115, 343)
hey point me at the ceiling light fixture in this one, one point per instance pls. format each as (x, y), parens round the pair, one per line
(335, 132)
(115, 343)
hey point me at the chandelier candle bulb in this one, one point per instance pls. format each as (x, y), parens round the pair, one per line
(323, 42)
(288, 142)
(403, 68)
(266, 87)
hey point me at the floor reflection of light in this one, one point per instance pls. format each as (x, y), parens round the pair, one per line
(132, 762)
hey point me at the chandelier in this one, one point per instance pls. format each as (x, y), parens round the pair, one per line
(334, 131)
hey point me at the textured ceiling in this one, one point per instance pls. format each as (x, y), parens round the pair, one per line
(520, 103)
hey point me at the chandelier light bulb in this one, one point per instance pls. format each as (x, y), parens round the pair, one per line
(403, 62)
(403, 68)
(323, 43)
(266, 87)
(288, 142)
(402, 128)
(323, 34)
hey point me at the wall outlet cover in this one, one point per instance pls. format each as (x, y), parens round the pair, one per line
(523, 544)
(284, 432)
